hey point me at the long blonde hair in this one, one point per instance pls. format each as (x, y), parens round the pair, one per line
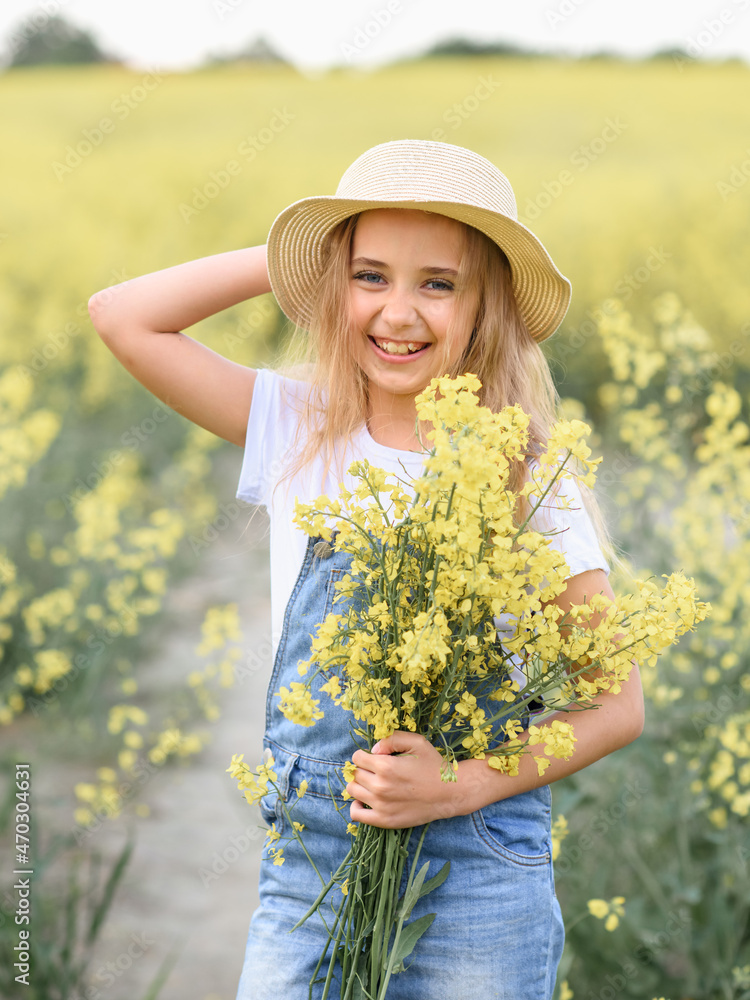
(501, 352)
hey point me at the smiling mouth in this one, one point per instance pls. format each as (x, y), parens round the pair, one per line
(399, 346)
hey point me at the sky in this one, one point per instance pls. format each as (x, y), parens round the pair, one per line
(181, 34)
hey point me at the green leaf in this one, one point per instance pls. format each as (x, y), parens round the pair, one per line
(358, 990)
(436, 880)
(419, 887)
(162, 975)
(409, 936)
(105, 902)
(412, 893)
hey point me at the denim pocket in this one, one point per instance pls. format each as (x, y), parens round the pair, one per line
(272, 804)
(518, 828)
(271, 811)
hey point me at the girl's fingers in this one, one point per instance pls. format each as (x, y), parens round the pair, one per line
(364, 760)
(357, 791)
(360, 813)
(402, 741)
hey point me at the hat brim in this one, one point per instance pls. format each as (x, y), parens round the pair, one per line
(295, 261)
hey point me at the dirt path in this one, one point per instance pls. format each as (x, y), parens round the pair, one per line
(191, 885)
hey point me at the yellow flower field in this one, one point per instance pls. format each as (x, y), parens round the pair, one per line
(637, 177)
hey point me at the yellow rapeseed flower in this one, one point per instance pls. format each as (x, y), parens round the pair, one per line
(559, 833)
(608, 911)
(298, 705)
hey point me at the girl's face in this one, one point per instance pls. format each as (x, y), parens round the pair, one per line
(403, 286)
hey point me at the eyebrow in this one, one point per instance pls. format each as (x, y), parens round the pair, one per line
(370, 262)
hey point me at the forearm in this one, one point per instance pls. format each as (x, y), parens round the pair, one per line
(616, 722)
(398, 784)
(172, 299)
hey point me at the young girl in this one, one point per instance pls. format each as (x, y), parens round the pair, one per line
(417, 267)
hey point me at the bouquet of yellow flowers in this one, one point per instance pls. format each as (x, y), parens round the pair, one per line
(415, 645)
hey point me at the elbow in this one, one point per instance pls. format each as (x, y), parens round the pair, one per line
(636, 727)
(101, 311)
(634, 721)
(633, 712)
(96, 312)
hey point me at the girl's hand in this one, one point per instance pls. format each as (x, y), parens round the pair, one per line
(400, 782)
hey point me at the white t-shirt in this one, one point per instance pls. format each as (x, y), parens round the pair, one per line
(271, 428)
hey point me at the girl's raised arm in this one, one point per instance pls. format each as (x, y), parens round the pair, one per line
(141, 321)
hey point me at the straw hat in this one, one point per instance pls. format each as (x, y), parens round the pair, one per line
(434, 176)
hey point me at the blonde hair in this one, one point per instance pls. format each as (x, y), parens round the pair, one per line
(501, 352)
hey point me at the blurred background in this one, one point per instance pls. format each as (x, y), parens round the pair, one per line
(134, 603)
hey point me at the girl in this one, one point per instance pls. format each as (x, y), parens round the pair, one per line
(416, 267)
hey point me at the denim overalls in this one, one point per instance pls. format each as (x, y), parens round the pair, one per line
(498, 934)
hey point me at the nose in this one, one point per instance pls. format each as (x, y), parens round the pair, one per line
(398, 309)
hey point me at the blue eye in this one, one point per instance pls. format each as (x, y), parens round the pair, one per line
(366, 275)
(443, 286)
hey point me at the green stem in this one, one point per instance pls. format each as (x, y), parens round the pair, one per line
(543, 497)
(578, 919)
(381, 930)
(295, 833)
(324, 891)
(323, 953)
(340, 923)
(445, 689)
(400, 924)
